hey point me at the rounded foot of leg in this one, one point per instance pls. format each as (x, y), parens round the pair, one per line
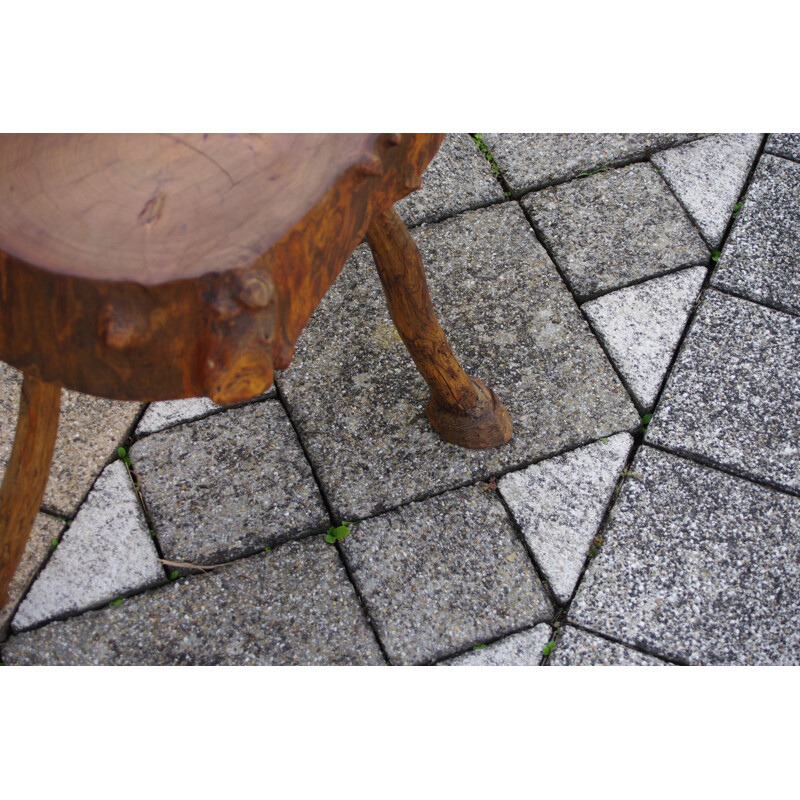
(486, 425)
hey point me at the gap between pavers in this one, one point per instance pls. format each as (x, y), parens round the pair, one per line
(530, 161)
(517, 650)
(614, 228)
(733, 395)
(291, 606)
(358, 402)
(559, 505)
(577, 648)
(106, 552)
(228, 485)
(760, 258)
(437, 576)
(640, 327)
(708, 177)
(696, 566)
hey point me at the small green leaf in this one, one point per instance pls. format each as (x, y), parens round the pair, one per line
(479, 647)
(267, 549)
(548, 648)
(117, 602)
(173, 576)
(53, 545)
(737, 207)
(122, 452)
(604, 439)
(715, 254)
(646, 420)
(330, 539)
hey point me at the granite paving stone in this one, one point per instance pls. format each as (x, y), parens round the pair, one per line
(291, 606)
(105, 553)
(534, 160)
(517, 650)
(733, 396)
(89, 431)
(458, 179)
(615, 228)
(358, 402)
(442, 575)
(697, 566)
(559, 505)
(577, 648)
(45, 530)
(640, 327)
(228, 485)
(784, 144)
(760, 259)
(708, 177)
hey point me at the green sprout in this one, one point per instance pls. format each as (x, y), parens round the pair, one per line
(338, 533)
(548, 648)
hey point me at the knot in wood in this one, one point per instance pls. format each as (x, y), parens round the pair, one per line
(257, 291)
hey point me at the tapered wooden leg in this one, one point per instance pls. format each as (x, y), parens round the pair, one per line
(461, 409)
(26, 475)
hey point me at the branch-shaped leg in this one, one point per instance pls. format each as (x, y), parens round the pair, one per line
(27, 472)
(461, 409)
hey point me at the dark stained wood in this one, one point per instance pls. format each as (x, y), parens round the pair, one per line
(462, 410)
(26, 475)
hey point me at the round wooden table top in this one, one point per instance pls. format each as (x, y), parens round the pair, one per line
(152, 208)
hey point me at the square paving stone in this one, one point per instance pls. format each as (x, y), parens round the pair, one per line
(106, 552)
(760, 259)
(45, 531)
(292, 606)
(577, 648)
(534, 160)
(228, 485)
(615, 228)
(784, 144)
(458, 179)
(89, 431)
(518, 650)
(733, 396)
(442, 575)
(697, 566)
(358, 402)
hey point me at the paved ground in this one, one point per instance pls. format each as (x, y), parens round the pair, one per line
(593, 281)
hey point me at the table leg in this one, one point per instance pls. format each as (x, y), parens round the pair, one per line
(461, 409)
(27, 472)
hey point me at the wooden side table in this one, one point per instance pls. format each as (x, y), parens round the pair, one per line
(157, 266)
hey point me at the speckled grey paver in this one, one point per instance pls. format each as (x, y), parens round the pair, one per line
(733, 396)
(518, 650)
(784, 144)
(576, 648)
(559, 505)
(442, 575)
(167, 413)
(45, 530)
(106, 552)
(708, 177)
(760, 259)
(291, 606)
(615, 228)
(697, 566)
(533, 160)
(641, 326)
(358, 401)
(228, 485)
(89, 431)
(459, 178)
